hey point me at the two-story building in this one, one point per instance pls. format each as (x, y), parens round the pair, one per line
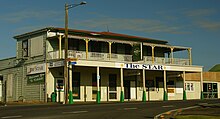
(119, 67)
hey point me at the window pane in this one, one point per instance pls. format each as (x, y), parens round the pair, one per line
(112, 82)
(205, 87)
(192, 87)
(112, 96)
(215, 89)
(25, 48)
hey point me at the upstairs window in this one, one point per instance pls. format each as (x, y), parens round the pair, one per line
(25, 48)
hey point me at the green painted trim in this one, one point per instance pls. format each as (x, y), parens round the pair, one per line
(184, 95)
(53, 96)
(122, 97)
(165, 96)
(70, 97)
(144, 96)
(98, 97)
(202, 96)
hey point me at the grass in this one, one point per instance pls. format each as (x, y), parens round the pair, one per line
(197, 117)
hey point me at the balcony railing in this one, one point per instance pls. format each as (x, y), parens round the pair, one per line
(162, 60)
(81, 55)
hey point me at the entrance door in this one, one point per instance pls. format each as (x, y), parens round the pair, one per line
(112, 86)
(127, 89)
(76, 85)
(59, 89)
(133, 89)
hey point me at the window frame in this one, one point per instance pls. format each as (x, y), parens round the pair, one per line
(25, 49)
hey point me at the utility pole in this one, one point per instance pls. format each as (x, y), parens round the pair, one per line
(67, 89)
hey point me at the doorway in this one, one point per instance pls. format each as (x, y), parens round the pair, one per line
(127, 89)
(76, 85)
(112, 86)
(59, 89)
(130, 89)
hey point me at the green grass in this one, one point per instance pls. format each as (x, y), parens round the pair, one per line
(197, 117)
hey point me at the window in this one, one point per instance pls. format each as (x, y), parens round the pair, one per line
(170, 83)
(189, 86)
(36, 46)
(73, 44)
(59, 85)
(25, 48)
(150, 85)
(95, 46)
(210, 90)
(114, 48)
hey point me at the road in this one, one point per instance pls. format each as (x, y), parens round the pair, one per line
(127, 110)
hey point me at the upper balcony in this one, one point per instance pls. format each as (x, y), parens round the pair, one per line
(95, 48)
(82, 55)
(149, 54)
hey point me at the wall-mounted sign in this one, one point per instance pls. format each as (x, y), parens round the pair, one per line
(36, 78)
(144, 66)
(56, 64)
(35, 69)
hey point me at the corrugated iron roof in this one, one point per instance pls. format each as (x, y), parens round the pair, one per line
(85, 33)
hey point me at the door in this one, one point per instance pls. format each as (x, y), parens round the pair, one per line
(112, 86)
(76, 85)
(127, 89)
(133, 89)
(59, 85)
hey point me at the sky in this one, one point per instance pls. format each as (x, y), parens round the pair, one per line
(189, 23)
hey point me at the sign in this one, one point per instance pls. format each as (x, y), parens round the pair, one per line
(73, 63)
(144, 66)
(56, 64)
(35, 79)
(35, 69)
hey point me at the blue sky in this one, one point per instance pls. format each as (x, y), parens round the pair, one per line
(190, 23)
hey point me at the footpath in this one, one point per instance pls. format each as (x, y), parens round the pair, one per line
(200, 111)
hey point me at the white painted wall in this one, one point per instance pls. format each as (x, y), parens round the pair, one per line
(197, 91)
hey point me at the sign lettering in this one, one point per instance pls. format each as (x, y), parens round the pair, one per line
(35, 69)
(144, 66)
